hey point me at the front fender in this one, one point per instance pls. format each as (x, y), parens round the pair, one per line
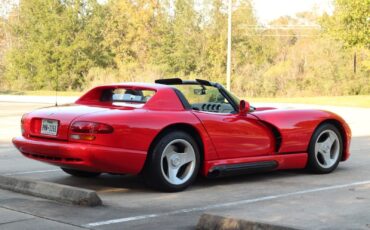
(297, 126)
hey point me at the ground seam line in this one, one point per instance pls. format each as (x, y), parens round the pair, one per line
(45, 218)
(15, 221)
(248, 201)
(31, 172)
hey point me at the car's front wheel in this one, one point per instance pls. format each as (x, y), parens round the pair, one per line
(325, 149)
(174, 162)
(79, 173)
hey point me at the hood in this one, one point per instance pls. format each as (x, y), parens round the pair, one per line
(263, 108)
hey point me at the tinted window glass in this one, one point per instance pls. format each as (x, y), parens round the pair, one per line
(127, 95)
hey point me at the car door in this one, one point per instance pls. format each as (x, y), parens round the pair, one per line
(235, 135)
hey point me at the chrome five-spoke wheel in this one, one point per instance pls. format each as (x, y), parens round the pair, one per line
(325, 149)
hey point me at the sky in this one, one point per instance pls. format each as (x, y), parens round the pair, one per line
(267, 10)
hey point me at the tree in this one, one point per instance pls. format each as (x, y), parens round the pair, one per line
(2, 47)
(83, 43)
(350, 22)
(213, 40)
(128, 28)
(56, 40)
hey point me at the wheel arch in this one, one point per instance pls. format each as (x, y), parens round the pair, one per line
(188, 128)
(341, 130)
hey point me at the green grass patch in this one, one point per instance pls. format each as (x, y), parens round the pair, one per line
(351, 101)
(41, 93)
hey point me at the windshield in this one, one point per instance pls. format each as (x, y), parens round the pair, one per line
(206, 98)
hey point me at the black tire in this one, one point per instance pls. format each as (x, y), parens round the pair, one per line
(315, 162)
(153, 172)
(79, 173)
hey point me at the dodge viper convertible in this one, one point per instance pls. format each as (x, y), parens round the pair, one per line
(174, 130)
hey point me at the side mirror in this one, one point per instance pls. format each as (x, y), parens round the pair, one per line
(244, 107)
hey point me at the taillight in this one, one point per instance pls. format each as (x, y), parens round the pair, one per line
(91, 127)
(83, 137)
(23, 130)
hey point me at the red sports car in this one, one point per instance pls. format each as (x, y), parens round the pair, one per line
(174, 130)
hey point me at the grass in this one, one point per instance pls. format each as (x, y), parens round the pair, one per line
(351, 101)
(41, 93)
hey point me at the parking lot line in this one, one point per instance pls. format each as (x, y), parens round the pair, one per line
(31, 172)
(227, 204)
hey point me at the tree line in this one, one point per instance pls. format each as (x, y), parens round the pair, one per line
(76, 44)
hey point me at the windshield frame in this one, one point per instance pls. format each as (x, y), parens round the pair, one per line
(232, 99)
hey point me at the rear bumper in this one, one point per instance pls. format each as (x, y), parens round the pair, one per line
(82, 156)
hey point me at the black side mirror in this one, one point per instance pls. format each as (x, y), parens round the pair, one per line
(244, 108)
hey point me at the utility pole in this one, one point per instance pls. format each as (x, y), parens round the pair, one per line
(228, 64)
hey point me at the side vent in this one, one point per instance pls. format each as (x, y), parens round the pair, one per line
(276, 133)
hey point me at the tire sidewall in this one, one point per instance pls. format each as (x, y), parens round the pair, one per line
(313, 164)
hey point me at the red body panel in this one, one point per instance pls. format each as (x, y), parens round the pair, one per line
(237, 136)
(82, 156)
(297, 127)
(226, 138)
(64, 114)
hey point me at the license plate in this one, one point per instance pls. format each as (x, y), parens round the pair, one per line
(49, 127)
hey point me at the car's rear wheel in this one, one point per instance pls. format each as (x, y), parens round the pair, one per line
(174, 162)
(325, 149)
(79, 173)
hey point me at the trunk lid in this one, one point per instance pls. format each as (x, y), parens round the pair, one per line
(60, 116)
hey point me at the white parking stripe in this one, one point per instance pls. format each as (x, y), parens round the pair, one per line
(221, 205)
(31, 172)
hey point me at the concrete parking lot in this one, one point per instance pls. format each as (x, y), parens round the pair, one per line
(340, 200)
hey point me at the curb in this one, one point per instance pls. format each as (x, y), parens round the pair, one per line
(208, 222)
(51, 191)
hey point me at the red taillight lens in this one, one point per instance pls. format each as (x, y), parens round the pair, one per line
(91, 127)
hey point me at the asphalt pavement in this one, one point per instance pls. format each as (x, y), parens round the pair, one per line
(340, 200)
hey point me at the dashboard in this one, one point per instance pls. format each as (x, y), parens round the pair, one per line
(213, 107)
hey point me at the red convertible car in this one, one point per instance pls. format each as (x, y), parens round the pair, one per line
(174, 130)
